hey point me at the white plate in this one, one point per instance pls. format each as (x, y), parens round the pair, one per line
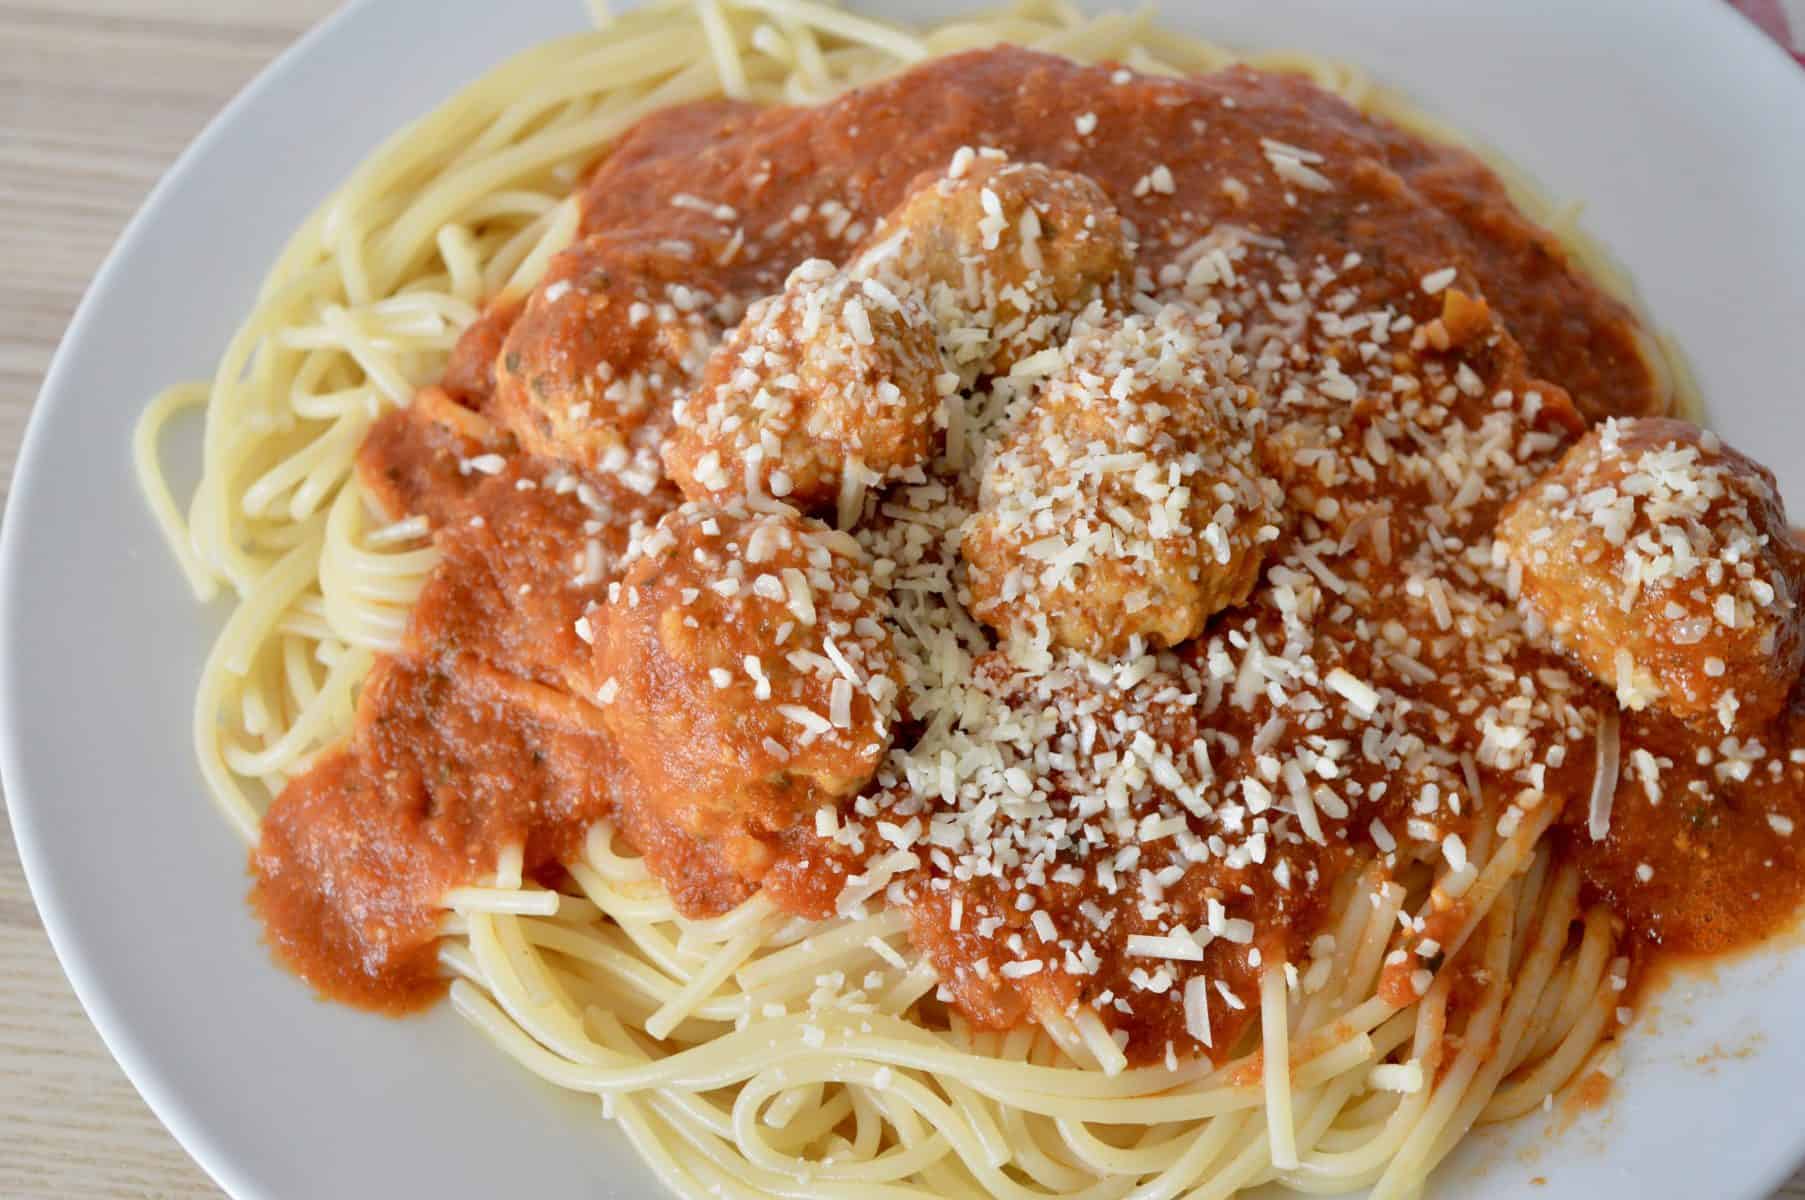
(1681, 128)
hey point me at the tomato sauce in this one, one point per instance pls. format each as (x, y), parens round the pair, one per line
(484, 731)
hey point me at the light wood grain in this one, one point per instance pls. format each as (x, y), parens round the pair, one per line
(97, 97)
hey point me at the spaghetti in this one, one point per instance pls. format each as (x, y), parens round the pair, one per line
(1445, 978)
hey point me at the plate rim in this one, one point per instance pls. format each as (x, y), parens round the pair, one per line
(104, 1012)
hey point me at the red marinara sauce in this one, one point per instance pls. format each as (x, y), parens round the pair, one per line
(483, 732)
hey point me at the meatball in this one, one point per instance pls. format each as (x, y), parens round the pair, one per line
(747, 674)
(1123, 503)
(1661, 560)
(1008, 253)
(835, 376)
(610, 338)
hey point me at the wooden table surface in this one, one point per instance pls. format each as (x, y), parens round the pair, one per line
(97, 97)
